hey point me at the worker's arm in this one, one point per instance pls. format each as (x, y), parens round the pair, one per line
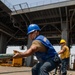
(62, 50)
(30, 51)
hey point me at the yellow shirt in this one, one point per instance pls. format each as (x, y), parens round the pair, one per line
(66, 53)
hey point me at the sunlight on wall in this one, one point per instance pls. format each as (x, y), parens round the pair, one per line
(18, 48)
(57, 48)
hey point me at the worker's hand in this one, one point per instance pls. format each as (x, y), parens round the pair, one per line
(17, 55)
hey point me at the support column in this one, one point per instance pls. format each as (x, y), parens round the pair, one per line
(65, 33)
(3, 40)
(29, 60)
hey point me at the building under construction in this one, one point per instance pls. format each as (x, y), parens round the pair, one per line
(56, 21)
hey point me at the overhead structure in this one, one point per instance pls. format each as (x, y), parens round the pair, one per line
(55, 20)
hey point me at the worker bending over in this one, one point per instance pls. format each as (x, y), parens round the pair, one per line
(43, 50)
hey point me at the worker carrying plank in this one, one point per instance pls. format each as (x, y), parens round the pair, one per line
(44, 51)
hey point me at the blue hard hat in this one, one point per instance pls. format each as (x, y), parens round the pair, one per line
(32, 28)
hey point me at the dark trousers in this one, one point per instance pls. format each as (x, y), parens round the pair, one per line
(65, 64)
(44, 68)
(58, 69)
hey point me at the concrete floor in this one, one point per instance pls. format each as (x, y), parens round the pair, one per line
(15, 70)
(4, 70)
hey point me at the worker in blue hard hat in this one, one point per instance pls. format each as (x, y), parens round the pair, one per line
(32, 28)
(43, 50)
